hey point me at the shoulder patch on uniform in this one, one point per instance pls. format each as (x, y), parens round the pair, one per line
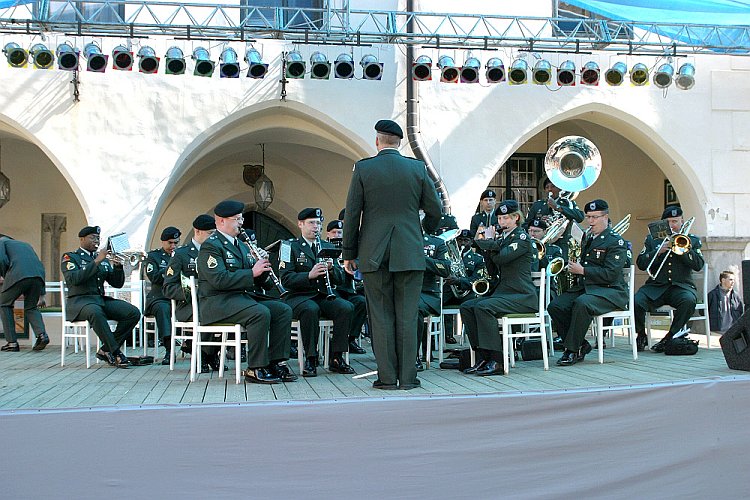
(212, 262)
(70, 266)
(149, 268)
(620, 242)
(523, 236)
(170, 271)
(66, 258)
(514, 246)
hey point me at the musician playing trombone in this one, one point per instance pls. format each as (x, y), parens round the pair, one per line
(511, 254)
(310, 281)
(672, 284)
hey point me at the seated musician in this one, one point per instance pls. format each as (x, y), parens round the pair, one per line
(486, 215)
(509, 253)
(85, 271)
(157, 305)
(352, 290)
(554, 206)
(537, 230)
(183, 265)
(437, 265)
(599, 286)
(308, 279)
(673, 285)
(228, 274)
(458, 290)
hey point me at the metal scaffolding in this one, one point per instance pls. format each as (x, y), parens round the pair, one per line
(338, 24)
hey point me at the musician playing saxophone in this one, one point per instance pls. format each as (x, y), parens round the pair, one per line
(513, 254)
(546, 209)
(600, 286)
(672, 286)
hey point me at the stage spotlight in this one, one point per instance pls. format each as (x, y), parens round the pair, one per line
(204, 66)
(542, 74)
(590, 74)
(663, 76)
(41, 56)
(470, 70)
(495, 70)
(519, 72)
(448, 69)
(17, 57)
(67, 57)
(175, 61)
(229, 67)
(566, 74)
(95, 60)
(685, 77)
(639, 75)
(320, 67)
(372, 69)
(149, 63)
(343, 66)
(616, 74)
(295, 65)
(258, 68)
(122, 58)
(421, 70)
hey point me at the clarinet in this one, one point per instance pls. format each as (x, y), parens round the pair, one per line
(255, 252)
(330, 295)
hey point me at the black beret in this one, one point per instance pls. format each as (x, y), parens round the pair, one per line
(506, 207)
(596, 205)
(488, 193)
(447, 222)
(389, 127)
(538, 223)
(671, 211)
(170, 233)
(204, 222)
(335, 224)
(341, 214)
(465, 233)
(310, 213)
(229, 208)
(89, 230)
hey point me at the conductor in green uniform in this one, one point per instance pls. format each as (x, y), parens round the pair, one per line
(383, 232)
(600, 287)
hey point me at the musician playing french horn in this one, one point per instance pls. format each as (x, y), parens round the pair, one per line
(458, 289)
(554, 206)
(512, 253)
(310, 281)
(548, 252)
(670, 280)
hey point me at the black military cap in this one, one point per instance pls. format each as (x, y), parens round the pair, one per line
(341, 214)
(170, 233)
(335, 224)
(538, 223)
(229, 208)
(89, 230)
(488, 193)
(447, 222)
(465, 233)
(671, 211)
(389, 127)
(204, 222)
(310, 213)
(595, 206)
(507, 207)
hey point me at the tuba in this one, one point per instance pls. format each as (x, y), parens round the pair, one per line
(455, 255)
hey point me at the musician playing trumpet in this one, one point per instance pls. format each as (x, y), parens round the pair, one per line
(511, 254)
(673, 285)
(310, 281)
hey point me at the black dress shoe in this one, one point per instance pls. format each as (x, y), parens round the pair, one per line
(641, 342)
(187, 347)
(165, 360)
(339, 365)
(406, 387)
(10, 347)
(283, 372)
(121, 361)
(106, 356)
(41, 342)
(491, 368)
(206, 368)
(659, 346)
(450, 339)
(419, 365)
(380, 385)
(568, 358)
(477, 366)
(557, 343)
(309, 369)
(212, 361)
(260, 376)
(584, 350)
(355, 348)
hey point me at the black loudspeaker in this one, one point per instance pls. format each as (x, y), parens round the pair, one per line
(746, 282)
(735, 343)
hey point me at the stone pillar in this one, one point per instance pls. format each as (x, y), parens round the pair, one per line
(53, 225)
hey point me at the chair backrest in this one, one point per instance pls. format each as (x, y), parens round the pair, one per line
(629, 274)
(62, 301)
(194, 301)
(540, 280)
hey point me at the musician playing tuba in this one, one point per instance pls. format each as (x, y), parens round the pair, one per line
(512, 252)
(672, 283)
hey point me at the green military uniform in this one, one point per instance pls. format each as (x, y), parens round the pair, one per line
(551, 252)
(23, 274)
(540, 210)
(438, 265)
(673, 286)
(86, 300)
(182, 263)
(513, 256)
(601, 289)
(227, 294)
(481, 219)
(383, 231)
(157, 304)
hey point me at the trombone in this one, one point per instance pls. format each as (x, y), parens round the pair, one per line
(679, 244)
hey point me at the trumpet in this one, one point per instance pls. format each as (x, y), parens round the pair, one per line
(132, 257)
(259, 254)
(679, 244)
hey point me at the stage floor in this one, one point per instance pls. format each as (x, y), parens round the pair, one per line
(35, 380)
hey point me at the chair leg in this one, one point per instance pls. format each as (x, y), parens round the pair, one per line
(506, 347)
(88, 347)
(600, 338)
(648, 330)
(632, 335)
(237, 355)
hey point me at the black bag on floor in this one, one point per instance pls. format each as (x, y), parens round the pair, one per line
(531, 349)
(680, 346)
(458, 359)
(141, 360)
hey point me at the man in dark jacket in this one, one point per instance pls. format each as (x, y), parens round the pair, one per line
(724, 304)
